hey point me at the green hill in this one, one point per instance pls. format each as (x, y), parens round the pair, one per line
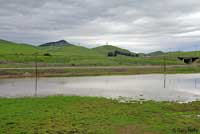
(71, 50)
(156, 53)
(56, 43)
(109, 48)
(69, 54)
(184, 54)
(78, 55)
(8, 47)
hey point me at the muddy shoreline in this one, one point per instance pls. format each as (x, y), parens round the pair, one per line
(94, 71)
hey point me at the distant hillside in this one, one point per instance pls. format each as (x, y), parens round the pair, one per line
(156, 53)
(73, 55)
(108, 48)
(57, 43)
(175, 54)
(185, 54)
(7, 47)
(71, 50)
(64, 48)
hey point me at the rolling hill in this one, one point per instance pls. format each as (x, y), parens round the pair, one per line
(109, 48)
(8, 47)
(156, 53)
(185, 54)
(62, 52)
(68, 50)
(57, 43)
(72, 55)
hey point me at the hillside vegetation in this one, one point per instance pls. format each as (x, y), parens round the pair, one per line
(74, 55)
(156, 53)
(109, 48)
(7, 47)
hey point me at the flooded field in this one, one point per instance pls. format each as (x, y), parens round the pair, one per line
(182, 87)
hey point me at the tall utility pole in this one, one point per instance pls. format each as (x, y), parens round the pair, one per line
(165, 69)
(36, 75)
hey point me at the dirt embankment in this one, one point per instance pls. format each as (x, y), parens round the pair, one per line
(93, 70)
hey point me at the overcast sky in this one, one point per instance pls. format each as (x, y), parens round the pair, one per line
(138, 25)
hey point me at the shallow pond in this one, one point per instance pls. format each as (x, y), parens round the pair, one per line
(182, 87)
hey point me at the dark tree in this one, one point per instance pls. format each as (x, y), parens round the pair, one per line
(47, 54)
(110, 54)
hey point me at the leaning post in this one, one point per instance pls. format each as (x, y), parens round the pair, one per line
(165, 69)
(36, 75)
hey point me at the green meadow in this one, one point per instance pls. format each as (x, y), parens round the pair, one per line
(73, 55)
(90, 115)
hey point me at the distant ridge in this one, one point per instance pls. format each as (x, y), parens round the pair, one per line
(9, 42)
(109, 48)
(156, 53)
(57, 43)
(8, 47)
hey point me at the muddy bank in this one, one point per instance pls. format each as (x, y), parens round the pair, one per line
(93, 71)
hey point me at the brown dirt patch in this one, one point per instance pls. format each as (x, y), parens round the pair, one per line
(133, 129)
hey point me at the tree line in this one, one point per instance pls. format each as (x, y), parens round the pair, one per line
(115, 53)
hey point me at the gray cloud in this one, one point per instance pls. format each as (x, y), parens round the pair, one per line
(139, 25)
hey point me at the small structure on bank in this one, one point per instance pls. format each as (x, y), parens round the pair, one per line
(188, 60)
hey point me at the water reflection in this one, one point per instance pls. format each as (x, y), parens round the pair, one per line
(151, 87)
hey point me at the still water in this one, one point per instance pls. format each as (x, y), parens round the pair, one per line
(182, 87)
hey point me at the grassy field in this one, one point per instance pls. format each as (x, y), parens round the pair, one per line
(89, 115)
(72, 55)
(10, 60)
